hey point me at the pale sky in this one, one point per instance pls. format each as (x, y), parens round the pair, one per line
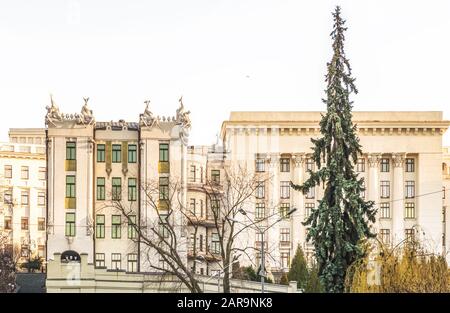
(248, 55)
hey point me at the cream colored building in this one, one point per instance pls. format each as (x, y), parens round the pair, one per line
(446, 200)
(401, 166)
(23, 193)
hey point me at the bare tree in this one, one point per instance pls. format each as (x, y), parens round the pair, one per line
(7, 266)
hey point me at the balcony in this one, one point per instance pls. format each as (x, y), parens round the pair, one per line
(71, 165)
(285, 244)
(163, 167)
(206, 221)
(70, 203)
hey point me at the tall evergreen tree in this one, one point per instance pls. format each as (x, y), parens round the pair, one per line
(299, 269)
(340, 221)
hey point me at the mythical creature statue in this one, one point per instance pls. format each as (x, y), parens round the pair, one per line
(147, 117)
(86, 116)
(53, 113)
(182, 117)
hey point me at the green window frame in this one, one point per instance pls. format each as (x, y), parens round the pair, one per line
(132, 153)
(215, 176)
(71, 147)
(132, 189)
(70, 224)
(164, 152)
(116, 153)
(116, 188)
(100, 226)
(100, 188)
(132, 234)
(116, 226)
(101, 148)
(70, 186)
(164, 188)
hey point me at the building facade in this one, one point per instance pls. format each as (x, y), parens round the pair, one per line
(446, 200)
(23, 194)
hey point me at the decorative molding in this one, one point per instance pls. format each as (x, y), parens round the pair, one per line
(299, 159)
(399, 159)
(374, 159)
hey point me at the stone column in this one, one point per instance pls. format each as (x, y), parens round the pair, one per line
(398, 195)
(272, 235)
(298, 230)
(373, 184)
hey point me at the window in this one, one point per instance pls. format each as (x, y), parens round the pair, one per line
(215, 176)
(410, 189)
(100, 188)
(410, 165)
(132, 189)
(362, 193)
(42, 174)
(8, 171)
(192, 172)
(41, 251)
(260, 211)
(385, 189)
(132, 262)
(101, 154)
(259, 238)
(201, 243)
(70, 224)
(385, 211)
(7, 196)
(25, 198)
(8, 222)
(308, 209)
(116, 188)
(285, 165)
(410, 211)
(164, 231)
(285, 189)
(100, 226)
(385, 165)
(24, 172)
(409, 234)
(284, 256)
(116, 153)
(385, 236)
(163, 152)
(260, 164)
(260, 189)
(215, 206)
(116, 261)
(285, 235)
(132, 234)
(163, 188)
(284, 210)
(311, 193)
(215, 243)
(100, 260)
(41, 223)
(193, 206)
(309, 164)
(361, 165)
(24, 223)
(24, 250)
(116, 226)
(201, 174)
(443, 192)
(132, 153)
(71, 150)
(70, 186)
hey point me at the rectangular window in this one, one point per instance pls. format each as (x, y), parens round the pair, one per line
(7, 196)
(410, 189)
(308, 209)
(311, 193)
(361, 165)
(260, 212)
(215, 176)
(132, 233)
(116, 188)
(215, 243)
(163, 152)
(24, 174)
(132, 153)
(201, 243)
(116, 153)
(362, 194)
(385, 162)
(24, 223)
(385, 187)
(385, 211)
(42, 174)
(70, 186)
(309, 164)
(385, 235)
(215, 206)
(285, 259)
(116, 226)
(8, 171)
(71, 150)
(409, 234)
(443, 192)
(164, 188)
(8, 223)
(260, 165)
(70, 224)
(164, 231)
(410, 211)
(100, 226)
(260, 190)
(132, 262)
(285, 190)
(101, 154)
(100, 188)
(192, 172)
(41, 223)
(285, 165)
(285, 235)
(116, 261)
(284, 210)
(132, 189)
(25, 198)
(192, 206)
(100, 260)
(410, 165)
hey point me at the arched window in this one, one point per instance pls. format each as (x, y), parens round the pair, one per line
(70, 256)
(444, 168)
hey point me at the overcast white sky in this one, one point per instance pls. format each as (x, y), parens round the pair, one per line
(220, 55)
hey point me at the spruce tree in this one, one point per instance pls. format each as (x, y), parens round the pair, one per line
(340, 221)
(299, 270)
